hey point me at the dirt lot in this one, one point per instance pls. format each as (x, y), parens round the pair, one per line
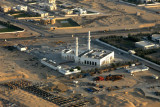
(17, 65)
(130, 96)
(114, 15)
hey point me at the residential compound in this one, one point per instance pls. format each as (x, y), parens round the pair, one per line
(142, 1)
(91, 57)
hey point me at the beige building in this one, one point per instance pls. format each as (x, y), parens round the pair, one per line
(38, 12)
(21, 8)
(46, 21)
(67, 11)
(5, 9)
(51, 7)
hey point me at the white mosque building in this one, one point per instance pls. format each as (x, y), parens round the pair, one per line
(92, 57)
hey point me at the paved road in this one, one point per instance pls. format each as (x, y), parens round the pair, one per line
(145, 62)
(140, 7)
(95, 34)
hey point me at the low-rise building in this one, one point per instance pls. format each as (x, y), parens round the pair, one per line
(52, 64)
(134, 69)
(155, 77)
(21, 47)
(156, 37)
(28, 0)
(79, 11)
(21, 8)
(46, 21)
(51, 7)
(145, 45)
(42, 13)
(38, 13)
(67, 11)
(5, 9)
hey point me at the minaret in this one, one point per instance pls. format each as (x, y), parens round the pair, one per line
(76, 46)
(89, 40)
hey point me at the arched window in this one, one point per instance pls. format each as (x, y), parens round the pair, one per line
(95, 63)
(85, 62)
(92, 63)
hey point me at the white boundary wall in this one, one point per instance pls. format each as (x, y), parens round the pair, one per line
(13, 32)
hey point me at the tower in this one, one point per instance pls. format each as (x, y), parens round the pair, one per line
(76, 46)
(89, 40)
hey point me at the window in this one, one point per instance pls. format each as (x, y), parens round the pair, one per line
(87, 62)
(95, 63)
(92, 63)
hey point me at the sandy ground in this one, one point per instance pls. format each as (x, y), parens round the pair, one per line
(114, 15)
(27, 99)
(133, 98)
(18, 65)
(15, 63)
(127, 97)
(6, 3)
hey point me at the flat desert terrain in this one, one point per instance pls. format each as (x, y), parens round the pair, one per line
(113, 15)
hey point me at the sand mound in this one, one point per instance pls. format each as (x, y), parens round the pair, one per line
(22, 97)
(1, 104)
(12, 75)
(62, 87)
(104, 102)
(127, 104)
(118, 101)
(95, 100)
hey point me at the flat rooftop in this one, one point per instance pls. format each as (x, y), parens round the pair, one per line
(144, 43)
(157, 36)
(95, 54)
(21, 46)
(50, 62)
(139, 67)
(68, 51)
